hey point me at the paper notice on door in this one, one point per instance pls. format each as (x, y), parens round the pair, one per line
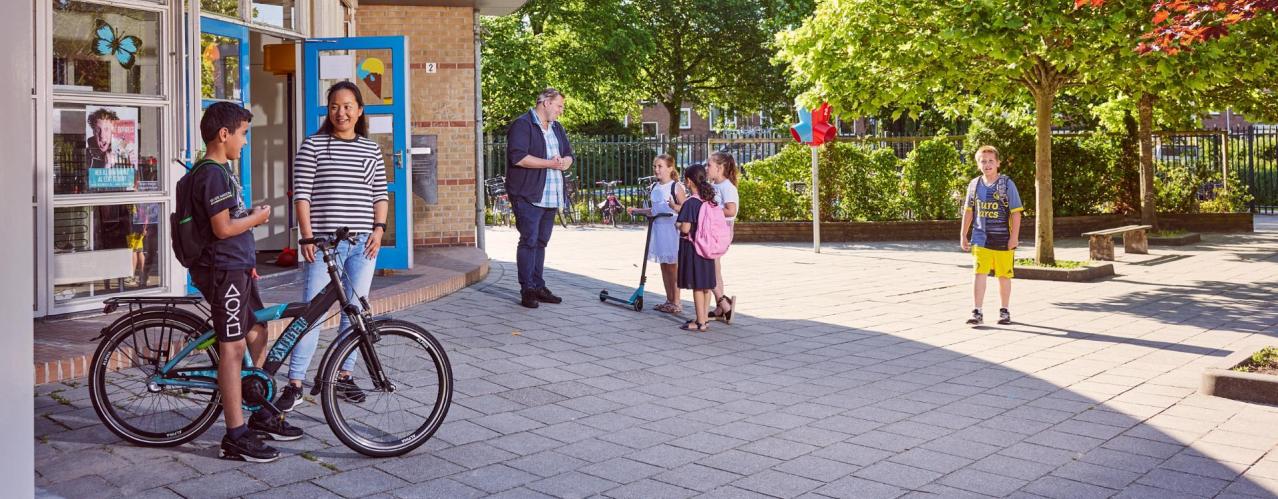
(381, 124)
(337, 67)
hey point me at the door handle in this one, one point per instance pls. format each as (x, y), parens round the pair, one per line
(400, 159)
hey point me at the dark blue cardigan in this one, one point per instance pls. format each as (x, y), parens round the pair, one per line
(524, 138)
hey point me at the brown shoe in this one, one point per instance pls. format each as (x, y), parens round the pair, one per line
(528, 298)
(545, 296)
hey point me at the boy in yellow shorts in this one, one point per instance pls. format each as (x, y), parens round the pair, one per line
(992, 210)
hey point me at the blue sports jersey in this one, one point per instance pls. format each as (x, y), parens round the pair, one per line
(992, 207)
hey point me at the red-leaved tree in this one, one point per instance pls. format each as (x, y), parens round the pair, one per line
(1179, 24)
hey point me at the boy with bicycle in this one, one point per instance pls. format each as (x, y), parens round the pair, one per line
(225, 274)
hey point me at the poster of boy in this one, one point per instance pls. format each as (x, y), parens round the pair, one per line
(112, 136)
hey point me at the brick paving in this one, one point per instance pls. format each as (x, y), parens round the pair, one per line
(846, 374)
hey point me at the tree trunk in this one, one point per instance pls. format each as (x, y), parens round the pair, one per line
(1044, 249)
(1145, 126)
(672, 130)
(1129, 167)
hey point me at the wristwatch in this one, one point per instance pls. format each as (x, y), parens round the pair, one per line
(379, 224)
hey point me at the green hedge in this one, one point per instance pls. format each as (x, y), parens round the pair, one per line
(860, 183)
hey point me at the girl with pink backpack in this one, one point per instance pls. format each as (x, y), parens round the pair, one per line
(696, 272)
(722, 173)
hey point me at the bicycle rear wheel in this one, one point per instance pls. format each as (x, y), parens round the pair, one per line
(395, 419)
(120, 386)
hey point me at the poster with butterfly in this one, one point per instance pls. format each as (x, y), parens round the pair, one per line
(109, 42)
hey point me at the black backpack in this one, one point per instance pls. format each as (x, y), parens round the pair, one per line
(191, 235)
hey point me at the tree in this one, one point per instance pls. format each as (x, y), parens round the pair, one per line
(1227, 72)
(607, 55)
(865, 56)
(561, 44)
(1179, 24)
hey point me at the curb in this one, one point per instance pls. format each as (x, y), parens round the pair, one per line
(1181, 240)
(1084, 274)
(1219, 381)
(391, 299)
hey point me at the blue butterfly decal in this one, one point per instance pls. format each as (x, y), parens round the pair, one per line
(108, 42)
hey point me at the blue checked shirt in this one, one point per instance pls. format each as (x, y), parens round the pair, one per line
(552, 196)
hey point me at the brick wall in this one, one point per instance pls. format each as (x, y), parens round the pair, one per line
(443, 104)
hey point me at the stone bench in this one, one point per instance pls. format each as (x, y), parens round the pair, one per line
(1101, 245)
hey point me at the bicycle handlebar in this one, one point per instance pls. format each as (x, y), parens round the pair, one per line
(341, 234)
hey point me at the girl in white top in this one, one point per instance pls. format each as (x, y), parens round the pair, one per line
(664, 237)
(722, 169)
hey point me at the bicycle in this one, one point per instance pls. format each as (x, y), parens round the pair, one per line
(496, 188)
(568, 213)
(610, 207)
(153, 381)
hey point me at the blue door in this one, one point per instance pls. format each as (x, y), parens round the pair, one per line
(224, 56)
(378, 65)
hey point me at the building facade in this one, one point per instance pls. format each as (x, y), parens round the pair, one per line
(119, 87)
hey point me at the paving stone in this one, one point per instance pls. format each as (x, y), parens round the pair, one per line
(696, 477)
(1022, 469)
(981, 482)
(572, 485)
(546, 463)
(1097, 475)
(775, 483)
(231, 483)
(817, 468)
(495, 478)
(439, 487)
(860, 488)
(907, 477)
(361, 482)
(1183, 482)
(294, 491)
(931, 460)
(621, 470)
(1060, 488)
(739, 462)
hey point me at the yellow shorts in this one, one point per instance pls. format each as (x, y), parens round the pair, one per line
(986, 259)
(134, 240)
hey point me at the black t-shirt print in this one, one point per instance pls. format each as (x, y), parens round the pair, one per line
(215, 189)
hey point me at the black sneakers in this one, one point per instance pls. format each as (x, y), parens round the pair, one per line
(273, 428)
(528, 298)
(347, 389)
(248, 447)
(545, 296)
(290, 397)
(1004, 317)
(977, 317)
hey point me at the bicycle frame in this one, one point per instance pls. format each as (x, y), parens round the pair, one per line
(305, 316)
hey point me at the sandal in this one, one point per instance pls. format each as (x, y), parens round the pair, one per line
(700, 327)
(726, 317)
(664, 307)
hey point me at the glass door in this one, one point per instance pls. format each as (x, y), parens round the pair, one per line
(224, 77)
(379, 67)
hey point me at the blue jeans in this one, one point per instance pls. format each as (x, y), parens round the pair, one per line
(359, 276)
(534, 224)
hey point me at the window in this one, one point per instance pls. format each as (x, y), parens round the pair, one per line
(220, 75)
(105, 149)
(106, 249)
(278, 13)
(99, 48)
(685, 118)
(228, 8)
(651, 129)
(722, 120)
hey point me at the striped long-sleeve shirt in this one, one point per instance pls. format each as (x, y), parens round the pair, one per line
(341, 179)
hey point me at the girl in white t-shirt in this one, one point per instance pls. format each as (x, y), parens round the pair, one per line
(664, 237)
(722, 169)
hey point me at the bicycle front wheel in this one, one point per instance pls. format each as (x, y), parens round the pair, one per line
(393, 419)
(126, 397)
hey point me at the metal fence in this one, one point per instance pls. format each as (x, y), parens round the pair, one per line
(1252, 154)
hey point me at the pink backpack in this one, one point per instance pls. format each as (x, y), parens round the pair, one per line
(714, 234)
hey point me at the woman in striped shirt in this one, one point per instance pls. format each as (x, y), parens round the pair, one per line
(339, 180)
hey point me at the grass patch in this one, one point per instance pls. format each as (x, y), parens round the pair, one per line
(309, 457)
(1060, 264)
(1263, 361)
(57, 397)
(1168, 233)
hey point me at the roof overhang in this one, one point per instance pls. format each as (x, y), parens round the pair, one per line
(485, 7)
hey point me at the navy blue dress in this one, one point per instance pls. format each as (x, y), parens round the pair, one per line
(694, 271)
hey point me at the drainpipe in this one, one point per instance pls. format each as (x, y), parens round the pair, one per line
(479, 138)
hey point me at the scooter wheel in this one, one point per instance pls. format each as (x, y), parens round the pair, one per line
(603, 296)
(638, 304)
